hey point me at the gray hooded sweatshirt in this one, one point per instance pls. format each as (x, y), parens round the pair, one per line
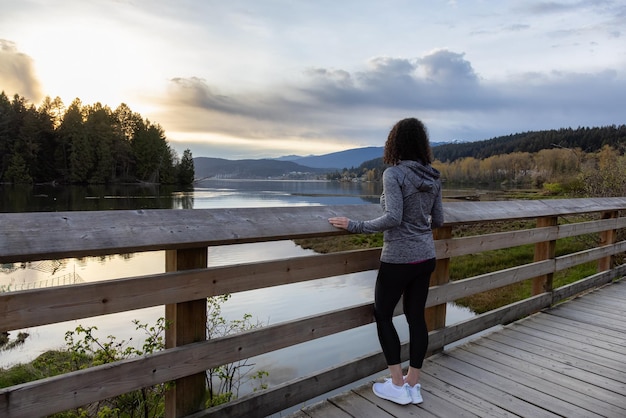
(411, 202)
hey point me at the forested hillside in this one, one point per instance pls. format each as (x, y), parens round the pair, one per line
(253, 169)
(84, 144)
(580, 162)
(588, 140)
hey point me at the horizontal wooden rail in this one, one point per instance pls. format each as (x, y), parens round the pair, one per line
(45, 235)
(51, 305)
(77, 234)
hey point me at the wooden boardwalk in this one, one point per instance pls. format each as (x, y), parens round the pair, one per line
(568, 361)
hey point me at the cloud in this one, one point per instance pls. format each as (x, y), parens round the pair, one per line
(552, 7)
(441, 79)
(358, 107)
(17, 73)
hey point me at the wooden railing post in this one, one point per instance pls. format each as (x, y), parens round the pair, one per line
(436, 315)
(544, 251)
(187, 324)
(607, 237)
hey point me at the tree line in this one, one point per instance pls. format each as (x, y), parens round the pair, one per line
(587, 139)
(84, 144)
(561, 167)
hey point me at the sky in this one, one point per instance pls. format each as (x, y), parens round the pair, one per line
(255, 79)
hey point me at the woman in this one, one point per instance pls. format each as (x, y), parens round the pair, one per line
(411, 202)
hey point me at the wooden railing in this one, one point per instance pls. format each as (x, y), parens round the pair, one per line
(183, 289)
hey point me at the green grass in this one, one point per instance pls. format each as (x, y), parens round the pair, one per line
(490, 261)
(481, 263)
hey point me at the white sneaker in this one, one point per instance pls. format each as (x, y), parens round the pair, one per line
(416, 393)
(393, 393)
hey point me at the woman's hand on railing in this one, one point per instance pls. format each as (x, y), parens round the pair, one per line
(339, 222)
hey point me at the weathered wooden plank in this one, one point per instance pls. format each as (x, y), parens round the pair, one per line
(603, 306)
(551, 391)
(490, 386)
(455, 247)
(187, 325)
(421, 411)
(323, 409)
(523, 357)
(578, 337)
(358, 406)
(593, 335)
(570, 260)
(452, 291)
(613, 298)
(441, 406)
(617, 293)
(35, 307)
(618, 289)
(435, 315)
(589, 227)
(28, 236)
(547, 379)
(544, 250)
(563, 356)
(463, 397)
(590, 354)
(468, 212)
(602, 333)
(599, 350)
(577, 315)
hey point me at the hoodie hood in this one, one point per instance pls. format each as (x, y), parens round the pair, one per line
(424, 177)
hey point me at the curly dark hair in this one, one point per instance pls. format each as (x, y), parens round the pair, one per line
(408, 140)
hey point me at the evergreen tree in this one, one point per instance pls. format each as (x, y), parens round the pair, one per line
(101, 139)
(6, 113)
(126, 124)
(17, 172)
(80, 156)
(186, 171)
(152, 154)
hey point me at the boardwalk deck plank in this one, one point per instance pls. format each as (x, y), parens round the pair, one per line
(421, 411)
(563, 367)
(584, 317)
(599, 334)
(441, 407)
(323, 409)
(358, 406)
(599, 303)
(580, 336)
(599, 311)
(551, 390)
(562, 357)
(488, 386)
(565, 361)
(585, 354)
(462, 397)
(583, 348)
(556, 400)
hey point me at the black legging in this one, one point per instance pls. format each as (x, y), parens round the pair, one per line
(410, 281)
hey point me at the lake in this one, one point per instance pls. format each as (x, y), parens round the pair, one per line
(267, 306)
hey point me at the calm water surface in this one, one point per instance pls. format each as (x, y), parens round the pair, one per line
(268, 306)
